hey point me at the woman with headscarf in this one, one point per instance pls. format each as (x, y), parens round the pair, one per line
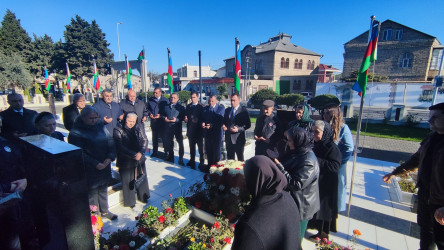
(303, 119)
(302, 172)
(131, 146)
(272, 219)
(90, 134)
(45, 123)
(329, 158)
(342, 136)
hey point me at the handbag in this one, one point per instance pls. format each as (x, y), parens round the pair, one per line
(138, 179)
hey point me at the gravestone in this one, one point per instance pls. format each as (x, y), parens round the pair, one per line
(58, 187)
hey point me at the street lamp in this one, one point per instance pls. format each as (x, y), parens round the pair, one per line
(118, 42)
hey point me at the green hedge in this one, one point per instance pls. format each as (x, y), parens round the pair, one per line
(319, 102)
(264, 94)
(290, 99)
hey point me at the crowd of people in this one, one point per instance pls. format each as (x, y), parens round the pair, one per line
(297, 178)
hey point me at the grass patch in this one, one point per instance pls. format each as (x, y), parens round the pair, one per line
(253, 119)
(391, 131)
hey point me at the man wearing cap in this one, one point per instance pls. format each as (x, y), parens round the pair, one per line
(429, 160)
(268, 130)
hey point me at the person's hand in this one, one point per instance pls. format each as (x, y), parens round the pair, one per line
(166, 119)
(174, 119)
(224, 127)
(121, 117)
(439, 216)
(203, 124)
(387, 178)
(157, 116)
(234, 129)
(138, 156)
(186, 119)
(208, 126)
(152, 116)
(20, 185)
(144, 119)
(17, 134)
(273, 154)
(107, 162)
(107, 120)
(100, 166)
(256, 138)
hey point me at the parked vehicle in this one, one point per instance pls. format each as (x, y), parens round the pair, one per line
(307, 95)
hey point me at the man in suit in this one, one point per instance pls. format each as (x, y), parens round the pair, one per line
(268, 130)
(17, 120)
(174, 115)
(212, 121)
(156, 109)
(193, 119)
(132, 104)
(236, 121)
(109, 111)
(71, 112)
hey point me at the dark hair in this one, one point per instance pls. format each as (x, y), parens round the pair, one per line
(439, 106)
(235, 94)
(43, 117)
(88, 110)
(158, 88)
(76, 97)
(194, 93)
(13, 95)
(211, 96)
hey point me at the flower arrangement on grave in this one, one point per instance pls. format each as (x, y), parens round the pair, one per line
(151, 221)
(325, 244)
(97, 226)
(125, 239)
(223, 189)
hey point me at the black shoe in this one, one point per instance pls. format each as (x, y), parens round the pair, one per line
(191, 163)
(170, 159)
(180, 162)
(109, 216)
(154, 154)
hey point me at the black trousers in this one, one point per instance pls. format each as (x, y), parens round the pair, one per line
(129, 196)
(235, 149)
(99, 197)
(199, 141)
(213, 146)
(431, 232)
(143, 192)
(157, 132)
(170, 133)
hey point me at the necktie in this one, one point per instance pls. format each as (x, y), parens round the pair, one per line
(232, 114)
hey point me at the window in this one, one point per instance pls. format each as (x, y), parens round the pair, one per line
(309, 85)
(398, 34)
(406, 60)
(436, 59)
(297, 84)
(300, 64)
(282, 62)
(287, 63)
(296, 63)
(308, 64)
(387, 35)
(195, 73)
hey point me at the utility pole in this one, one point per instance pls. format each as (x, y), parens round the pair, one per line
(437, 80)
(118, 42)
(200, 76)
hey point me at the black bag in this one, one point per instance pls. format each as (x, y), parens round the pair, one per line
(138, 178)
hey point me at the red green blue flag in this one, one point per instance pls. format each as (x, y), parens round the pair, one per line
(369, 57)
(237, 67)
(96, 78)
(141, 55)
(129, 72)
(68, 77)
(170, 72)
(47, 82)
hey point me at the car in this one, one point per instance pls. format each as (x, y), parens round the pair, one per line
(307, 95)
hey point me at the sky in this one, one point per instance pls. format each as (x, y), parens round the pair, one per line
(211, 26)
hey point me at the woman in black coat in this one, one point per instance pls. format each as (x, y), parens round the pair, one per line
(302, 172)
(329, 158)
(97, 145)
(45, 123)
(272, 219)
(131, 145)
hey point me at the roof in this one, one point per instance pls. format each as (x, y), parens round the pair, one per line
(213, 81)
(323, 67)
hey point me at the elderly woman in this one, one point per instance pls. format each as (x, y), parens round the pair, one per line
(344, 139)
(45, 123)
(131, 145)
(329, 158)
(302, 173)
(71, 112)
(97, 144)
(303, 119)
(272, 219)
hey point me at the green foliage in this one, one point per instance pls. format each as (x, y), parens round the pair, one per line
(390, 131)
(14, 72)
(354, 75)
(222, 91)
(290, 99)
(184, 96)
(411, 121)
(142, 95)
(264, 94)
(26, 93)
(37, 89)
(123, 237)
(43, 50)
(319, 102)
(407, 186)
(65, 89)
(13, 38)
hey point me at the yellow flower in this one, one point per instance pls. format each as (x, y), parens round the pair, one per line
(192, 239)
(204, 245)
(203, 227)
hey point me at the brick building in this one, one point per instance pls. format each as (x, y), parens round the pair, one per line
(404, 54)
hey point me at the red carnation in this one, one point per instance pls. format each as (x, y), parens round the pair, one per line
(93, 219)
(170, 195)
(124, 247)
(145, 215)
(211, 240)
(137, 217)
(169, 210)
(161, 219)
(198, 204)
(227, 240)
(141, 230)
(216, 225)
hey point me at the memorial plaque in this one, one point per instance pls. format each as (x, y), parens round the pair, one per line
(58, 187)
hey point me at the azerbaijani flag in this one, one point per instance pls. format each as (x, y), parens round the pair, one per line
(369, 57)
(96, 77)
(68, 77)
(129, 72)
(237, 67)
(47, 82)
(170, 72)
(141, 55)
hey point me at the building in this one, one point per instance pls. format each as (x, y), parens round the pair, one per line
(278, 64)
(185, 74)
(404, 54)
(326, 73)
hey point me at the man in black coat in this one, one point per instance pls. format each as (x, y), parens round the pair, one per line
(109, 112)
(17, 120)
(193, 119)
(268, 130)
(212, 121)
(71, 112)
(236, 121)
(174, 115)
(132, 104)
(156, 109)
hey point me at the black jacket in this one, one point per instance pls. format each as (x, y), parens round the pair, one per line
(97, 145)
(215, 118)
(104, 110)
(129, 142)
(177, 111)
(13, 121)
(70, 113)
(270, 128)
(302, 173)
(241, 120)
(329, 158)
(157, 107)
(194, 124)
(139, 108)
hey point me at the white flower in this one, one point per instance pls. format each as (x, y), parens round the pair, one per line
(116, 247)
(221, 187)
(132, 244)
(141, 234)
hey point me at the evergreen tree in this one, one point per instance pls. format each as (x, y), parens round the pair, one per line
(43, 50)
(13, 38)
(13, 72)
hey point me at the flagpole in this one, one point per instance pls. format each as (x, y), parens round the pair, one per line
(358, 131)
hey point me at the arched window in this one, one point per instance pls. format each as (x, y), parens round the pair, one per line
(287, 63)
(282, 62)
(300, 64)
(406, 60)
(308, 64)
(296, 64)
